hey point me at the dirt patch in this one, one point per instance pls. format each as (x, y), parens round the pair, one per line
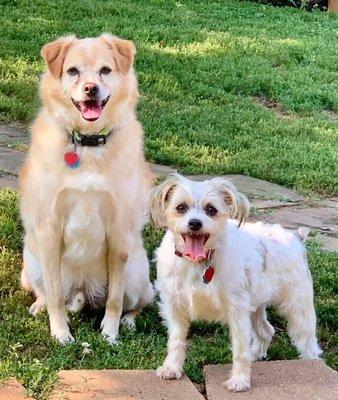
(308, 5)
(272, 104)
(333, 115)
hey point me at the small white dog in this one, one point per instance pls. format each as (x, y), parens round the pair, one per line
(211, 268)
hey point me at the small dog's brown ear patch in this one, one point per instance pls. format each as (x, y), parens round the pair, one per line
(158, 198)
(54, 54)
(123, 52)
(227, 198)
(238, 204)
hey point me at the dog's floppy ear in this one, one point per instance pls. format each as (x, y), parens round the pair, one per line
(54, 54)
(123, 52)
(158, 198)
(238, 204)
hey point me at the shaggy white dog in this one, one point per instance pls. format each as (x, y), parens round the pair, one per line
(211, 268)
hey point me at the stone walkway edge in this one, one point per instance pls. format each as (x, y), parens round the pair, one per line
(270, 202)
(277, 380)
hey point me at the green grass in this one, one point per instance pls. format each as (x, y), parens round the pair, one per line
(28, 352)
(206, 71)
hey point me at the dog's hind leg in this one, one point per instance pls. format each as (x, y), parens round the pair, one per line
(128, 319)
(299, 311)
(263, 333)
(32, 280)
(139, 291)
(76, 301)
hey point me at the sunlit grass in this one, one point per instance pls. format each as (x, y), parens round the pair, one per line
(202, 66)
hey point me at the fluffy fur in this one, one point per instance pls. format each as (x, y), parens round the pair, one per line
(256, 265)
(83, 226)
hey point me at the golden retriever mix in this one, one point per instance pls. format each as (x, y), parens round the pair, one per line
(84, 187)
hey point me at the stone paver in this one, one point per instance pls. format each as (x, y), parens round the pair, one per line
(277, 380)
(161, 171)
(261, 204)
(284, 206)
(7, 181)
(13, 134)
(11, 160)
(329, 243)
(257, 188)
(12, 390)
(323, 219)
(121, 385)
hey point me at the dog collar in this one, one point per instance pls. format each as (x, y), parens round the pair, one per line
(91, 140)
(71, 156)
(209, 269)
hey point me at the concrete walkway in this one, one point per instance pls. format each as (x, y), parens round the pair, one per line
(277, 380)
(270, 202)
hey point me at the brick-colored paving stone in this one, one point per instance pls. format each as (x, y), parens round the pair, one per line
(121, 385)
(277, 380)
(12, 390)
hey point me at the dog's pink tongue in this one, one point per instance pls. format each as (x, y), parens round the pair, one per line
(194, 248)
(90, 110)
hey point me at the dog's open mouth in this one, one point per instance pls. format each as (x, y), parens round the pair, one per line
(91, 109)
(194, 246)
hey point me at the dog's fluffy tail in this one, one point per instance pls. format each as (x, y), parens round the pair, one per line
(303, 233)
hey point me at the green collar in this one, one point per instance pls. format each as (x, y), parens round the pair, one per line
(91, 140)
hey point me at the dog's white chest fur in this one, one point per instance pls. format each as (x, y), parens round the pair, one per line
(84, 231)
(207, 306)
(183, 282)
(84, 261)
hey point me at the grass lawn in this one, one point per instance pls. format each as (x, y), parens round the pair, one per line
(28, 352)
(227, 86)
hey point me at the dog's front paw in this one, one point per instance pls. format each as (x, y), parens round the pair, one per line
(36, 307)
(168, 372)
(259, 349)
(128, 321)
(111, 339)
(63, 336)
(238, 383)
(108, 331)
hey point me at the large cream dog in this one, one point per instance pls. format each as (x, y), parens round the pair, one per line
(84, 187)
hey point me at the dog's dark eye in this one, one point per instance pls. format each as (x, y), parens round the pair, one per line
(73, 71)
(210, 210)
(182, 208)
(105, 71)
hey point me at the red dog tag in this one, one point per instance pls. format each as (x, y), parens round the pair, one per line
(208, 274)
(72, 159)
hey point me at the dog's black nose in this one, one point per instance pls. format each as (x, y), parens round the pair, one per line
(195, 224)
(90, 88)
